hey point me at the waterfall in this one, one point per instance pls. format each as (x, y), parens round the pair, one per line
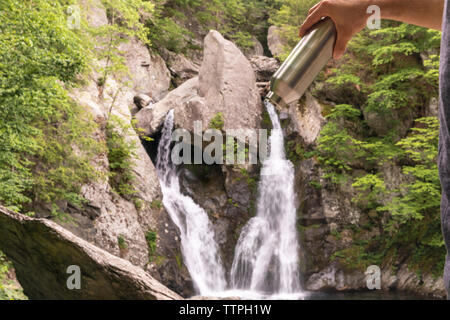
(265, 264)
(266, 255)
(199, 248)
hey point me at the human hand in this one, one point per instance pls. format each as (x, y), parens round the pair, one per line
(349, 17)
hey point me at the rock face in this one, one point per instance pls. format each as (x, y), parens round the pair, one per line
(256, 50)
(226, 84)
(264, 67)
(327, 216)
(109, 216)
(184, 99)
(42, 251)
(181, 68)
(147, 70)
(306, 118)
(274, 41)
(227, 198)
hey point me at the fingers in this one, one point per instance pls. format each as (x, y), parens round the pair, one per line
(341, 44)
(317, 13)
(313, 8)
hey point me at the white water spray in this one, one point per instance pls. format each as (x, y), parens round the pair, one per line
(199, 248)
(266, 255)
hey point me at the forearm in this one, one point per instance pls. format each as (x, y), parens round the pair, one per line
(425, 13)
(350, 16)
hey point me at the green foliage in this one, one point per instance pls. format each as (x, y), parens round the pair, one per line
(356, 257)
(41, 127)
(295, 152)
(289, 18)
(338, 149)
(120, 155)
(237, 20)
(217, 122)
(421, 195)
(151, 237)
(179, 260)
(371, 190)
(124, 23)
(122, 242)
(9, 290)
(156, 204)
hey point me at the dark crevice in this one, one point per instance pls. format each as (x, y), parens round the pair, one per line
(151, 147)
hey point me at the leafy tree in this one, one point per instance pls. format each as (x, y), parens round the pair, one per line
(41, 127)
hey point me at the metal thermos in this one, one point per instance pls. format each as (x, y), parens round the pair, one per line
(303, 65)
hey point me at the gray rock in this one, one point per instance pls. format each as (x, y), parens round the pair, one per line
(180, 66)
(95, 13)
(432, 109)
(142, 100)
(226, 84)
(256, 50)
(264, 67)
(111, 215)
(147, 70)
(331, 278)
(184, 100)
(306, 119)
(274, 41)
(42, 251)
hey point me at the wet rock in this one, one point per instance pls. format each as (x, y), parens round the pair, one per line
(333, 279)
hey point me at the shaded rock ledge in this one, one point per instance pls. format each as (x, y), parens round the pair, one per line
(42, 251)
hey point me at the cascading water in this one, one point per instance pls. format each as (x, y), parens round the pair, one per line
(199, 249)
(266, 255)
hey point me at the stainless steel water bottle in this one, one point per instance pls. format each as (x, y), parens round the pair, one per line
(303, 65)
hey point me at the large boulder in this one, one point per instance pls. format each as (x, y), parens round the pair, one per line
(186, 102)
(226, 84)
(42, 251)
